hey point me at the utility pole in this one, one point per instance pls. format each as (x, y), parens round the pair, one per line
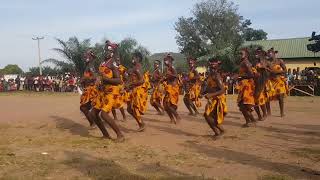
(38, 39)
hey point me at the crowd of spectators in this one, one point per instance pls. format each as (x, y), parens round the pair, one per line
(59, 83)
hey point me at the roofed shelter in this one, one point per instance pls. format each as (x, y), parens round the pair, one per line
(293, 51)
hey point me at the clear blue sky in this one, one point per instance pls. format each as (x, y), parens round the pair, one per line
(150, 22)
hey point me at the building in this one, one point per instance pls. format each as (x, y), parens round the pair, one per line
(293, 51)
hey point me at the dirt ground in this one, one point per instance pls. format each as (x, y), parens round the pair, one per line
(44, 136)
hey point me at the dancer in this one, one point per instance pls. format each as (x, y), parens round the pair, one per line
(246, 100)
(191, 98)
(108, 87)
(278, 71)
(214, 91)
(88, 84)
(120, 99)
(137, 105)
(157, 92)
(261, 77)
(171, 98)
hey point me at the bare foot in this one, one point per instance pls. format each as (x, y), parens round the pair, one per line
(245, 125)
(141, 128)
(92, 127)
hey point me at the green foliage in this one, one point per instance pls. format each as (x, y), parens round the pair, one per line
(11, 69)
(127, 47)
(125, 50)
(250, 34)
(179, 60)
(72, 51)
(46, 70)
(215, 29)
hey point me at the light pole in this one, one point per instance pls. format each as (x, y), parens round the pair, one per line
(38, 39)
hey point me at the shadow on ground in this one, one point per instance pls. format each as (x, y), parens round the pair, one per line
(101, 168)
(73, 127)
(252, 160)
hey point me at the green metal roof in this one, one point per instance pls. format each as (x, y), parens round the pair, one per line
(288, 48)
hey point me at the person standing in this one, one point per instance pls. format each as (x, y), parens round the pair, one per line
(214, 92)
(138, 101)
(157, 91)
(171, 97)
(246, 100)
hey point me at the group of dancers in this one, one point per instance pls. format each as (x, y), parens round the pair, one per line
(113, 86)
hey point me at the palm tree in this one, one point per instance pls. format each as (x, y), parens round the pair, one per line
(72, 51)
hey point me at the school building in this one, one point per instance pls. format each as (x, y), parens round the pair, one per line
(293, 51)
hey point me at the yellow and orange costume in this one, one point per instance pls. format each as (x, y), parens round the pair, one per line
(120, 100)
(171, 92)
(246, 90)
(90, 90)
(278, 82)
(157, 92)
(262, 98)
(107, 94)
(216, 106)
(194, 89)
(138, 98)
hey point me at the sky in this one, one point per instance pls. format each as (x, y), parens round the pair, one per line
(150, 22)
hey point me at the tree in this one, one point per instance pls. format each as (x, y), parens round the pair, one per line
(72, 51)
(11, 69)
(127, 47)
(250, 34)
(215, 29)
(46, 70)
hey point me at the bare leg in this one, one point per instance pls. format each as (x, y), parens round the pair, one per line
(113, 125)
(256, 108)
(246, 111)
(114, 113)
(123, 114)
(187, 103)
(212, 124)
(194, 107)
(281, 104)
(139, 121)
(156, 107)
(159, 106)
(264, 111)
(268, 108)
(85, 109)
(167, 109)
(173, 110)
(95, 113)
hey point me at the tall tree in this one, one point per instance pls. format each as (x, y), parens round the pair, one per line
(215, 28)
(72, 51)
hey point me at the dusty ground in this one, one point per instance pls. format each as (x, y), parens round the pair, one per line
(32, 125)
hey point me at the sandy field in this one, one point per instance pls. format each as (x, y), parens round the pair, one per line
(44, 136)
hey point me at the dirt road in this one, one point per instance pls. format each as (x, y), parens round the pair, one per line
(44, 136)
